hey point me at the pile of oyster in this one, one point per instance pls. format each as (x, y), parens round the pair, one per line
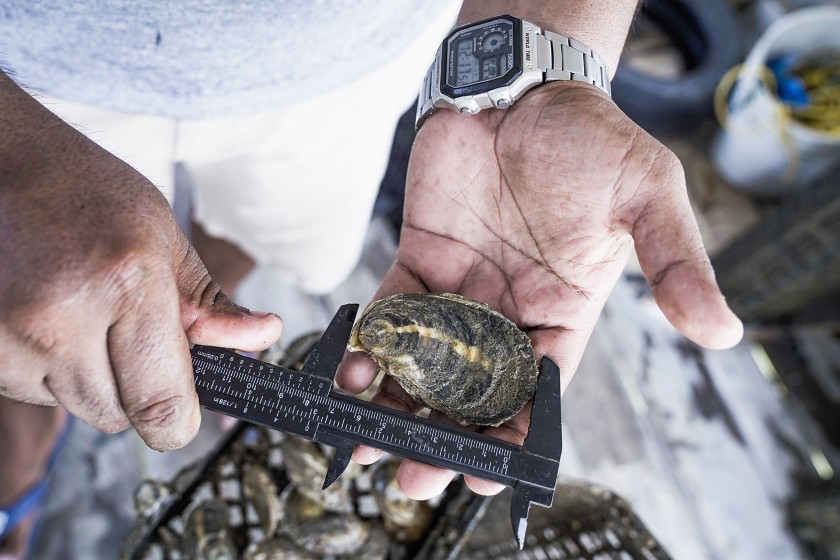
(275, 508)
(304, 521)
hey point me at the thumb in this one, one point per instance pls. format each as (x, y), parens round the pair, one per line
(209, 317)
(357, 371)
(223, 323)
(676, 266)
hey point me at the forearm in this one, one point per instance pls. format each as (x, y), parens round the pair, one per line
(601, 24)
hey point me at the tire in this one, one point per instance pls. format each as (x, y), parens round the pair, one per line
(706, 34)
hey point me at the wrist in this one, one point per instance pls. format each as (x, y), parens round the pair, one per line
(600, 24)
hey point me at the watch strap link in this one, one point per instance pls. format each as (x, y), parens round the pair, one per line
(425, 105)
(562, 58)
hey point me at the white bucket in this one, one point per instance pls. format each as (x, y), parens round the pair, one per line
(759, 150)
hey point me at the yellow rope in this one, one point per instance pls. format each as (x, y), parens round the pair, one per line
(781, 119)
(822, 82)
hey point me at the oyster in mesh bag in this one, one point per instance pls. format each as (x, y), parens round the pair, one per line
(207, 532)
(261, 492)
(405, 519)
(319, 531)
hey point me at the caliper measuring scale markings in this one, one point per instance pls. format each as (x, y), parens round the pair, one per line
(305, 404)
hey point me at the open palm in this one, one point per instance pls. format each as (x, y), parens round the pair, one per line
(534, 211)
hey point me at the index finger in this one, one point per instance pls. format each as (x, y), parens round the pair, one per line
(151, 361)
(422, 481)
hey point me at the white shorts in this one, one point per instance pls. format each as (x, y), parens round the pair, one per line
(293, 188)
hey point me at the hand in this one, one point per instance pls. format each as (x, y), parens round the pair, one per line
(534, 211)
(100, 292)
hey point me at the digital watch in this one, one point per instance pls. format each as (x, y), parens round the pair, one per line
(492, 63)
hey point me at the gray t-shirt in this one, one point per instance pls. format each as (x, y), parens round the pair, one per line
(192, 59)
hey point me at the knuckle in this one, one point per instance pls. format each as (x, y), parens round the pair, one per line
(127, 274)
(207, 293)
(80, 388)
(31, 330)
(195, 285)
(166, 422)
(160, 413)
(27, 319)
(12, 388)
(512, 432)
(391, 394)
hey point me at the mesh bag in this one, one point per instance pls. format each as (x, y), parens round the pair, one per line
(175, 520)
(585, 522)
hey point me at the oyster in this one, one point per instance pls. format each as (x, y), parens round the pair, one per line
(450, 354)
(406, 519)
(319, 531)
(377, 546)
(261, 491)
(307, 467)
(150, 496)
(276, 548)
(207, 532)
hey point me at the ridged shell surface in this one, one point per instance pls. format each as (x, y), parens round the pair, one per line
(451, 354)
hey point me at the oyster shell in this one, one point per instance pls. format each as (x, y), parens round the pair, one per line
(450, 354)
(260, 490)
(407, 520)
(150, 496)
(377, 546)
(318, 531)
(207, 532)
(276, 548)
(307, 466)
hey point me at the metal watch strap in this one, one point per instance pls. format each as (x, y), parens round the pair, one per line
(559, 57)
(425, 105)
(567, 59)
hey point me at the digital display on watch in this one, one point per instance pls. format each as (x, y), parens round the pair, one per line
(480, 53)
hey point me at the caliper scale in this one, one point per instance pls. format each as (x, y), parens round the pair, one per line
(304, 404)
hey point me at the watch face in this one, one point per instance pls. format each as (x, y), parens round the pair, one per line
(481, 57)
